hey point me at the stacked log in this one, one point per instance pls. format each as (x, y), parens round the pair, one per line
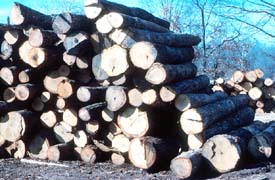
(260, 90)
(114, 84)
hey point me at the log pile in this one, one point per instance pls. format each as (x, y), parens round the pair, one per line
(113, 84)
(260, 90)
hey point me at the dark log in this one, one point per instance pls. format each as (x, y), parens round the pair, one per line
(186, 164)
(135, 97)
(168, 93)
(66, 23)
(143, 54)
(6, 107)
(246, 86)
(261, 145)
(115, 97)
(195, 120)
(99, 42)
(236, 120)
(42, 38)
(93, 8)
(38, 147)
(25, 16)
(152, 153)
(91, 112)
(163, 74)
(16, 125)
(17, 149)
(121, 143)
(123, 21)
(77, 44)
(91, 94)
(6, 50)
(133, 122)
(9, 95)
(60, 152)
(37, 104)
(184, 102)
(9, 75)
(259, 83)
(224, 152)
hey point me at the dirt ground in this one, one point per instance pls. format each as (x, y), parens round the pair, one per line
(16, 169)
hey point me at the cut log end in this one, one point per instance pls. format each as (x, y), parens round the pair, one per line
(117, 159)
(143, 55)
(88, 154)
(115, 97)
(64, 89)
(48, 119)
(16, 15)
(9, 95)
(121, 143)
(135, 97)
(167, 94)
(156, 74)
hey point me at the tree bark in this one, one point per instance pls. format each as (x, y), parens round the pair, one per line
(163, 74)
(93, 8)
(143, 54)
(168, 93)
(195, 120)
(184, 102)
(77, 43)
(17, 149)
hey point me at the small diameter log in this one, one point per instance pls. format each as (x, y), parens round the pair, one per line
(224, 152)
(9, 95)
(93, 8)
(70, 60)
(123, 21)
(103, 25)
(196, 120)
(184, 102)
(52, 80)
(36, 57)
(251, 76)
(259, 73)
(121, 143)
(91, 112)
(238, 77)
(88, 154)
(92, 127)
(70, 117)
(107, 115)
(9, 75)
(119, 80)
(66, 88)
(77, 44)
(115, 97)
(17, 149)
(143, 54)
(261, 145)
(133, 122)
(66, 23)
(90, 94)
(259, 83)
(268, 92)
(186, 164)
(48, 119)
(80, 138)
(168, 93)
(60, 152)
(99, 73)
(117, 159)
(135, 97)
(38, 147)
(164, 74)
(236, 120)
(114, 61)
(16, 125)
(246, 86)
(14, 36)
(255, 93)
(37, 104)
(42, 38)
(268, 82)
(24, 92)
(150, 97)
(22, 15)
(63, 133)
(152, 153)
(6, 50)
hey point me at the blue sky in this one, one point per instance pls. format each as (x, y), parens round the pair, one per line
(5, 5)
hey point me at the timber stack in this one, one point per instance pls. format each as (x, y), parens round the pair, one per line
(113, 84)
(260, 90)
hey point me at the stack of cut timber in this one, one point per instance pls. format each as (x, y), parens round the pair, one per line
(111, 85)
(260, 90)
